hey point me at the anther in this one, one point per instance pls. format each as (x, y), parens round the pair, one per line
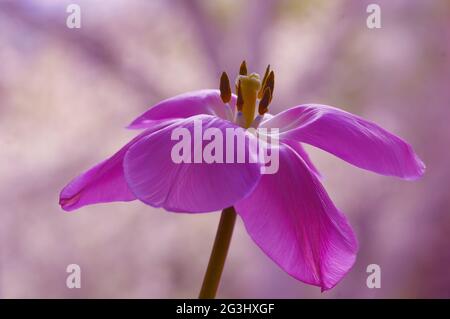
(265, 101)
(270, 83)
(240, 99)
(243, 68)
(263, 82)
(225, 89)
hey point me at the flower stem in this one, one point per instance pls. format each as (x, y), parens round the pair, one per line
(218, 254)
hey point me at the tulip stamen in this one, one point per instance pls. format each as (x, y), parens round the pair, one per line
(270, 83)
(263, 82)
(250, 90)
(225, 88)
(265, 101)
(243, 68)
(240, 99)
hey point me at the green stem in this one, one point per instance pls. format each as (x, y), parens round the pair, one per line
(219, 254)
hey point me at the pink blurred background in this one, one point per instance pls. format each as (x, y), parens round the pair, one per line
(67, 94)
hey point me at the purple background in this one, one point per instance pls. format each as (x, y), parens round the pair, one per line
(66, 95)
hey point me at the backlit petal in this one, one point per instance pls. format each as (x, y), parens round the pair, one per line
(299, 149)
(293, 220)
(186, 105)
(104, 182)
(157, 180)
(353, 139)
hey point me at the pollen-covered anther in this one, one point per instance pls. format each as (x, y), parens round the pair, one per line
(270, 83)
(225, 88)
(263, 82)
(243, 68)
(240, 98)
(265, 101)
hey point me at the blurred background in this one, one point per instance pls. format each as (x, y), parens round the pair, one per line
(67, 94)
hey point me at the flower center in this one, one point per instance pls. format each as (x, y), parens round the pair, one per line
(250, 90)
(248, 86)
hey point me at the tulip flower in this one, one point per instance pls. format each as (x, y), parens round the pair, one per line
(288, 214)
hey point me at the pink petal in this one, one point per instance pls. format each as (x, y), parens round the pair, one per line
(292, 219)
(353, 139)
(184, 106)
(158, 181)
(104, 182)
(298, 148)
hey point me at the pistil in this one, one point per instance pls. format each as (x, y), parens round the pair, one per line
(249, 86)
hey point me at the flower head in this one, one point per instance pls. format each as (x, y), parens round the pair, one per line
(288, 214)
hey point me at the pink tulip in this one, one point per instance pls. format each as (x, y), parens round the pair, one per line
(288, 214)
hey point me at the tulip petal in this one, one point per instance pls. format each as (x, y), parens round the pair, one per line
(105, 181)
(291, 218)
(158, 180)
(186, 105)
(298, 148)
(353, 139)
